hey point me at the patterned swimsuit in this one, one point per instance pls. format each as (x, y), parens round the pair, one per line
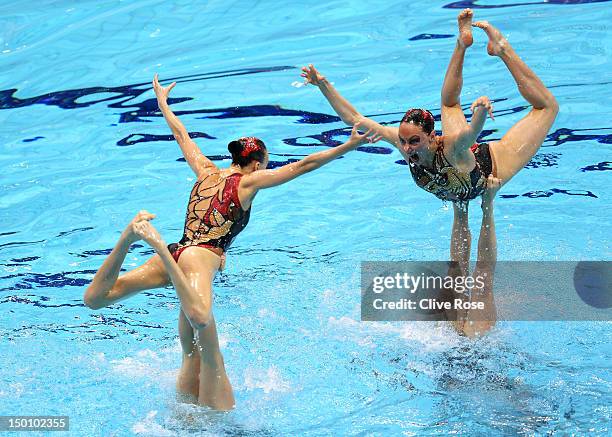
(447, 183)
(214, 215)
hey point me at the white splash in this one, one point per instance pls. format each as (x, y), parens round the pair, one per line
(269, 380)
(149, 426)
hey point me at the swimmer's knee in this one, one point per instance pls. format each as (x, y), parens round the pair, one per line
(548, 106)
(95, 300)
(199, 318)
(553, 105)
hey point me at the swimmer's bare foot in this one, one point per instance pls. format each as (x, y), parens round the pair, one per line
(464, 19)
(493, 186)
(129, 232)
(144, 230)
(497, 43)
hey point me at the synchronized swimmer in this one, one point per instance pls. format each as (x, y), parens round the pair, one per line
(218, 210)
(452, 167)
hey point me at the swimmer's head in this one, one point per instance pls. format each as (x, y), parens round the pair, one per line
(249, 153)
(416, 130)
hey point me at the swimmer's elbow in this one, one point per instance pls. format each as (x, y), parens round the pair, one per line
(308, 164)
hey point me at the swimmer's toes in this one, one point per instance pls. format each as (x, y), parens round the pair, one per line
(497, 42)
(465, 27)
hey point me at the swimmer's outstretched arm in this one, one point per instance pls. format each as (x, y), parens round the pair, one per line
(192, 153)
(345, 110)
(270, 178)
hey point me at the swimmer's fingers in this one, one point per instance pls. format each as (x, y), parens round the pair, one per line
(478, 102)
(493, 182)
(311, 75)
(485, 103)
(305, 74)
(370, 136)
(488, 106)
(375, 138)
(160, 91)
(356, 136)
(367, 135)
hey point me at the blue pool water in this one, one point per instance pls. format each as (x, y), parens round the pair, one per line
(84, 149)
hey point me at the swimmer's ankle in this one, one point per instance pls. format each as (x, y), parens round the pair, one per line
(487, 204)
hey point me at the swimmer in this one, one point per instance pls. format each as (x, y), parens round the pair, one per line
(476, 322)
(453, 166)
(218, 210)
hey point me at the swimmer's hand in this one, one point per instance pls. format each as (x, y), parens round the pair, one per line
(357, 138)
(160, 92)
(484, 102)
(311, 75)
(222, 266)
(492, 187)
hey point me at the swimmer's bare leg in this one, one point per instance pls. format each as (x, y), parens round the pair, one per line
(188, 380)
(107, 287)
(461, 243)
(453, 119)
(199, 266)
(215, 389)
(479, 322)
(522, 141)
(191, 279)
(461, 239)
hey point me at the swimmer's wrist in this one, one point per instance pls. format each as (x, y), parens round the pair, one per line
(323, 82)
(353, 142)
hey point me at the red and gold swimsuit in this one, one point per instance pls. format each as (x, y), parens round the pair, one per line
(214, 215)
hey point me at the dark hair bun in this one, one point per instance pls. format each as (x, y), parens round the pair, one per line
(247, 149)
(235, 147)
(420, 117)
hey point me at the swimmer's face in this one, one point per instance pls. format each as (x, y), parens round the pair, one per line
(413, 138)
